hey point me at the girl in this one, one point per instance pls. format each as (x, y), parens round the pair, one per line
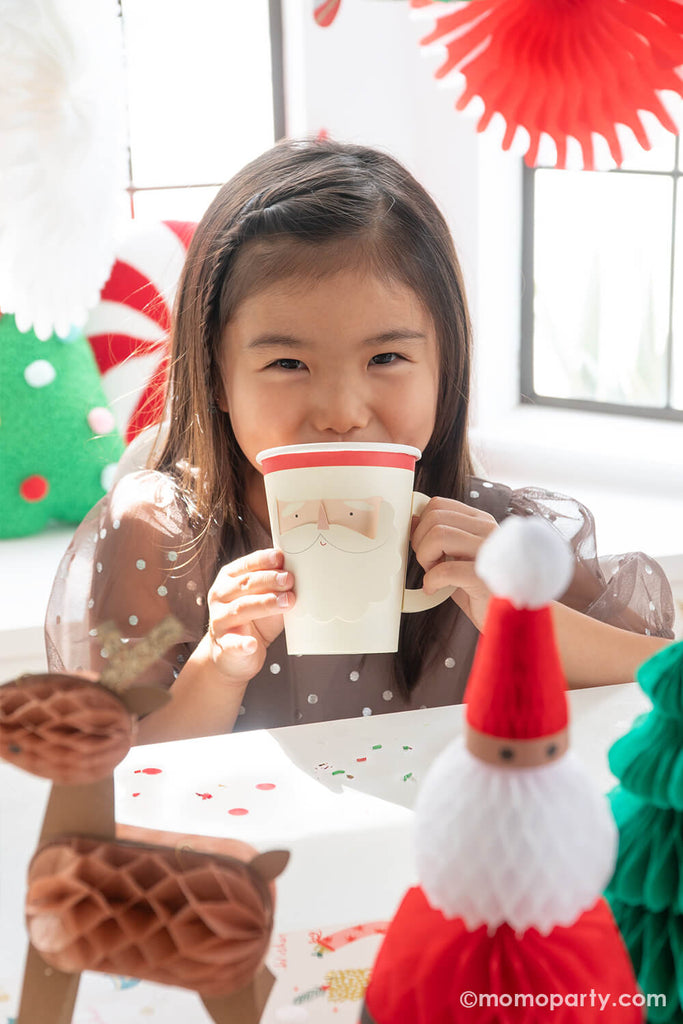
(321, 300)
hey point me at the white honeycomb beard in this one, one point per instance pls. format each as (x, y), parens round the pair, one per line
(532, 847)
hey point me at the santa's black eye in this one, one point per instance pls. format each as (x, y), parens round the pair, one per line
(551, 750)
(350, 513)
(507, 753)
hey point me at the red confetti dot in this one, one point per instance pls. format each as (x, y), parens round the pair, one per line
(205, 796)
(151, 771)
(361, 759)
(265, 785)
(136, 794)
(34, 488)
(238, 810)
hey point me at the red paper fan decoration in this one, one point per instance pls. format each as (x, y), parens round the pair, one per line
(566, 68)
(129, 328)
(325, 13)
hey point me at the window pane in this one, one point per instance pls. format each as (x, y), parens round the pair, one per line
(677, 392)
(173, 203)
(602, 253)
(199, 88)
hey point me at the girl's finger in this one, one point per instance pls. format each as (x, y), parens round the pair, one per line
(255, 561)
(235, 643)
(227, 588)
(247, 609)
(444, 541)
(481, 525)
(452, 574)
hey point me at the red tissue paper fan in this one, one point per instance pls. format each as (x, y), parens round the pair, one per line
(325, 12)
(129, 328)
(565, 68)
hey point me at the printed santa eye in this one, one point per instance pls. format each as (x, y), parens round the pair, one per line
(551, 749)
(506, 753)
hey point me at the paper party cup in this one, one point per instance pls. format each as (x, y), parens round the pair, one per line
(341, 513)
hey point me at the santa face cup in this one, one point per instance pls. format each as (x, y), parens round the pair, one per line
(342, 513)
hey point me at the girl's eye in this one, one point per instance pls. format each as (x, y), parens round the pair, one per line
(385, 358)
(288, 364)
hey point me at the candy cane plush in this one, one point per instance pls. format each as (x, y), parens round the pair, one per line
(129, 328)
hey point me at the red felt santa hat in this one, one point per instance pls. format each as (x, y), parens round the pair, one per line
(517, 687)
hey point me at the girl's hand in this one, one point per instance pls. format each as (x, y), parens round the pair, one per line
(446, 540)
(246, 603)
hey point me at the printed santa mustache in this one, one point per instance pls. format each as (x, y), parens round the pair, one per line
(537, 863)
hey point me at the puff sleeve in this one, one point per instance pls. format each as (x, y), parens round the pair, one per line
(626, 590)
(135, 559)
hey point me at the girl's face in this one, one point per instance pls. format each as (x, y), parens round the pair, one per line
(345, 358)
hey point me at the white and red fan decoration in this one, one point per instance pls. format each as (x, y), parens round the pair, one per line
(565, 70)
(325, 11)
(129, 328)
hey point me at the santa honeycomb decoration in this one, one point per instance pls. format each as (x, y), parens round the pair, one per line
(514, 845)
(565, 70)
(646, 891)
(58, 437)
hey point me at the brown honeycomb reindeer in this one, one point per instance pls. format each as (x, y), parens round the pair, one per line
(170, 914)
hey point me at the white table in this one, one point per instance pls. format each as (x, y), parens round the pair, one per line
(350, 839)
(347, 822)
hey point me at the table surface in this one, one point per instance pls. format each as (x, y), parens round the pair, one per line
(339, 795)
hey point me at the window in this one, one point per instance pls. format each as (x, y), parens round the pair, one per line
(205, 95)
(602, 320)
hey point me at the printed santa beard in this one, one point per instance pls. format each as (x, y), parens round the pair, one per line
(340, 570)
(533, 847)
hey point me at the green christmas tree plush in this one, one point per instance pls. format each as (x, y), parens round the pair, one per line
(58, 441)
(646, 890)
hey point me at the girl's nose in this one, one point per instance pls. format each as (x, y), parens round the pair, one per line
(339, 409)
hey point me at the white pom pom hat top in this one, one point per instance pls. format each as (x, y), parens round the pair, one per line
(527, 562)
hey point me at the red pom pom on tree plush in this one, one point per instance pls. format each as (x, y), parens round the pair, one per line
(565, 68)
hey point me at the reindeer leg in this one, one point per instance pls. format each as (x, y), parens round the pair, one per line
(48, 994)
(243, 1007)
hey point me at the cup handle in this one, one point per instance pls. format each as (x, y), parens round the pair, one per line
(417, 600)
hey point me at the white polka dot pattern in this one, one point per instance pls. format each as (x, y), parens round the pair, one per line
(39, 373)
(275, 668)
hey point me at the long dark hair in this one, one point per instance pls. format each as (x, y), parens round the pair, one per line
(293, 204)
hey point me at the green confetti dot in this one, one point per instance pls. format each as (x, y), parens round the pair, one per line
(377, 746)
(407, 748)
(340, 771)
(408, 776)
